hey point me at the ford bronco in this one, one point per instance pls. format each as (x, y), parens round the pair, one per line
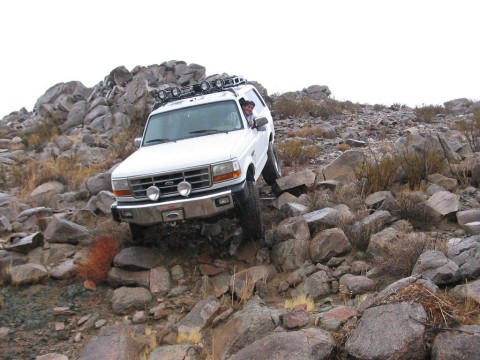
(198, 158)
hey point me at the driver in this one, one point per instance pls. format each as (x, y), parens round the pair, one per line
(247, 107)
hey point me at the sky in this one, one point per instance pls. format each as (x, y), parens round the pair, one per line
(411, 52)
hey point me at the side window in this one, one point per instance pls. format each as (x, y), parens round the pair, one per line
(257, 99)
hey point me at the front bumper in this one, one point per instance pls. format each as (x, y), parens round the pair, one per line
(200, 206)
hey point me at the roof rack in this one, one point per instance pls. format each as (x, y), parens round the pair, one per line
(205, 87)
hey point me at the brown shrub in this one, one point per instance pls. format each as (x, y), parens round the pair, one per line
(68, 171)
(99, 259)
(411, 206)
(378, 175)
(470, 128)
(343, 147)
(426, 113)
(418, 165)
(309, 131)
(297, 151)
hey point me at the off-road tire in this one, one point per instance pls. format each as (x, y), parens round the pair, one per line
(251, 215)
(272, 170)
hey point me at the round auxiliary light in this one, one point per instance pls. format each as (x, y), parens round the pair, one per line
(184, 188)
(219, 83)
(153, 193)
(162, 95)
(205, 86)
(176, 91)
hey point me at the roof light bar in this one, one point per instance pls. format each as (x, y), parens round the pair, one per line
(174, 93)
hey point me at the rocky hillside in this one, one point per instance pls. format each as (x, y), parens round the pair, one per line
(371, 250)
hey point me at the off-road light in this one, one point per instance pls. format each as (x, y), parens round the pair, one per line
(153, 193)
(126, 214)
(222, 201)
(205, 86)
(184, 188)
(176, 91)
(162, 95)
(219, 83)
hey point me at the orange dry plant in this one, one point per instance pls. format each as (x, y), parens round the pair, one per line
(97, 263)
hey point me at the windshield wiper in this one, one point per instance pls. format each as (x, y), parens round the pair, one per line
(159, 140)
(205, 131)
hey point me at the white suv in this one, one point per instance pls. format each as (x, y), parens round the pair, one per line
(198, 158)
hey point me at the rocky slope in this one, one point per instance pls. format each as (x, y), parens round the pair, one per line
(338, 275)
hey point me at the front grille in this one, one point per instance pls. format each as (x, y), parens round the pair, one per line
(167, 183)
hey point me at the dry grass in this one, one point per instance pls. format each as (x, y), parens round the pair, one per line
(44, 133)
(99, 259)
(411, 206)
(378, 174)
(427, 113)
(343, 147)
(442, 310)
(398, 257)
(151, 343)
(68, 171)
(304, 132)
(122, 144)
(297, 152)
(470, 128)
(194, 336)
(301, 300)
(417, 166)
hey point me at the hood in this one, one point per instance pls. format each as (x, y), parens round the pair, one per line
(182, 154)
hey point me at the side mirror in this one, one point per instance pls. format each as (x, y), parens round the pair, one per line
(137, 142)
(261, 121)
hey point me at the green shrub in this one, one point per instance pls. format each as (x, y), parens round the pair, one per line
(426, 113)
(471, 130)
(416, 166)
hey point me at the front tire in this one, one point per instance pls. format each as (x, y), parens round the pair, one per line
(272, 170)
(251, 215)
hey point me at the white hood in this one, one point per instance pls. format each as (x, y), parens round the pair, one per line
(181, 154)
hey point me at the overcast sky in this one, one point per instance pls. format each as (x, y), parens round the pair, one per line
(409, 52)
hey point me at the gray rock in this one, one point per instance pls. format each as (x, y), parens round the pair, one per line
(117, 278)
(64, 231)
(243, 328)
(114, 341)
(458, 344)
(444, 202)
(137, 258)
(305, 344)
(393, 331)
(176, 352)
(303, 179)
(127, 299)
(327, 244)
(315, 286)
(435, 266)
(28, 274)
(345, 167)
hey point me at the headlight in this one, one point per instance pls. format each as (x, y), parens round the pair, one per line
(226, 171)
(121, 188)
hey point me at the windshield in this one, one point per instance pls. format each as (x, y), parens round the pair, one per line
(192, 121)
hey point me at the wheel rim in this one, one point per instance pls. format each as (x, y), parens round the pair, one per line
(275, 163)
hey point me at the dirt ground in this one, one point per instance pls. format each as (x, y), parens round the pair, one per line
(35, 329)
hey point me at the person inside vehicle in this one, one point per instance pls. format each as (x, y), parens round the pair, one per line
(247, 107)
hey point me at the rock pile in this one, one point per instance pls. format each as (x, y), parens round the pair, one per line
(365, 277)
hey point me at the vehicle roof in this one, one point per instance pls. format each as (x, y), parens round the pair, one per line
(232, 93)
